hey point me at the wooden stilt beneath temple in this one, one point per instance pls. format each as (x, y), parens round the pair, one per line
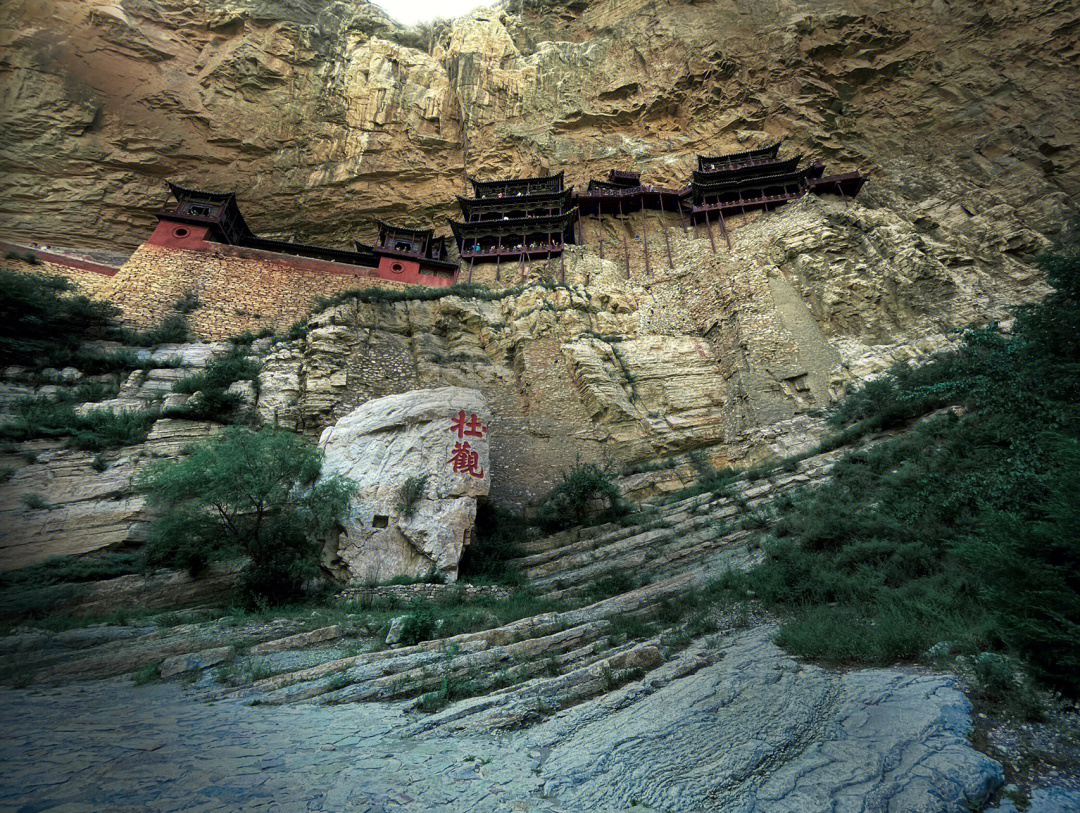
(667, 240)
(645, 243)
(708, 228)
(723, 228)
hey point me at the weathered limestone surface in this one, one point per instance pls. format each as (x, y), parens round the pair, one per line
(380, 446)
(314, 112)
(760, 731)
(756, 731)
(728, 352)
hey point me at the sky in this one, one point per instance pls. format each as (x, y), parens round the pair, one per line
(409, 12)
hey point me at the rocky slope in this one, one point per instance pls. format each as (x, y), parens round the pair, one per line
(322, 115)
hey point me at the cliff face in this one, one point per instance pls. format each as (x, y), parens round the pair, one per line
(321, 118)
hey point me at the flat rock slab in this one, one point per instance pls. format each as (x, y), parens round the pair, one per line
(761, 731)
(757, 731)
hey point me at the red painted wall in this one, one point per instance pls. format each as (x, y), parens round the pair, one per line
(411, 273)
(193, 238)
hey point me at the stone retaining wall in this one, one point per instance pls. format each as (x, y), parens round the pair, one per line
(236, 293)
(405, 593)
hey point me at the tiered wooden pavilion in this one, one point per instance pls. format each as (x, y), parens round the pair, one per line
(517, 219)
(757, 179)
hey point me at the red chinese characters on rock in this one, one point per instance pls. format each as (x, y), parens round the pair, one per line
(465, 458)
(471, 428)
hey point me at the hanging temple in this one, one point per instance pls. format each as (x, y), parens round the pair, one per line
(518, 220)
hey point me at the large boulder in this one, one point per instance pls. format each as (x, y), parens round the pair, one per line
(438, 437)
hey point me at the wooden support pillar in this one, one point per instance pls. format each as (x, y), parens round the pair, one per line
(524, 240)
(472, 260)
(723, 228)
(600, 224)
(682, 215)
(580, 228)
(626, 250)
(562, 264)
(645, 242)
(708, 227)
(663, 227)
(498, 256)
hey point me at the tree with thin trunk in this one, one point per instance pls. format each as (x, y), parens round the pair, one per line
(242, 492)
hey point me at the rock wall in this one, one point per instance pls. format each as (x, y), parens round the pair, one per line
(730, 352)
(322, 116)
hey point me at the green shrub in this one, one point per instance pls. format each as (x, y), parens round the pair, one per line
(411, 492)
(420, 624)
(573, 500)
(148, 673)
(257, 493)
(35, 501)
(213, 402)
(963, 529)
(219, 374)
(40, 313)
(173, 329)
(699, 459)
(72, 569)
(187, 303)
(94, 431)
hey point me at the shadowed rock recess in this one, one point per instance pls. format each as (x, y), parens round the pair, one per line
(474, 658)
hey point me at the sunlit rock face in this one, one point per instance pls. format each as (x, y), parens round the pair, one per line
(434, 442)
(323, 116)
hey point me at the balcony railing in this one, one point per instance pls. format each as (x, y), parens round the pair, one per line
(764, 200)
(757, 162)
(492, 253)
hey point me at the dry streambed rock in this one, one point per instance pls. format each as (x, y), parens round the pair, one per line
(434, 441)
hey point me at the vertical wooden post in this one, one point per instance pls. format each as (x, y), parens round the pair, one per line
(600, 226)
(708, 226)
(723, 228)
(562, 264)
(663, 227)
(682, 215)
(472, 259)
(580, 227)
(498, 256)
(645, 241)
(524, 240)
(626, 249)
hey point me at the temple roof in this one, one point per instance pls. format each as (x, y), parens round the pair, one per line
(747, 155)
(422, 233)
(493, 203)
(212, 197)
(359, 257)
(541, 180)
(775, 165)
(516, 226)
(812, 171)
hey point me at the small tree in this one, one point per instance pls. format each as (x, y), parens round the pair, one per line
(572, 501)
(252, 493)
